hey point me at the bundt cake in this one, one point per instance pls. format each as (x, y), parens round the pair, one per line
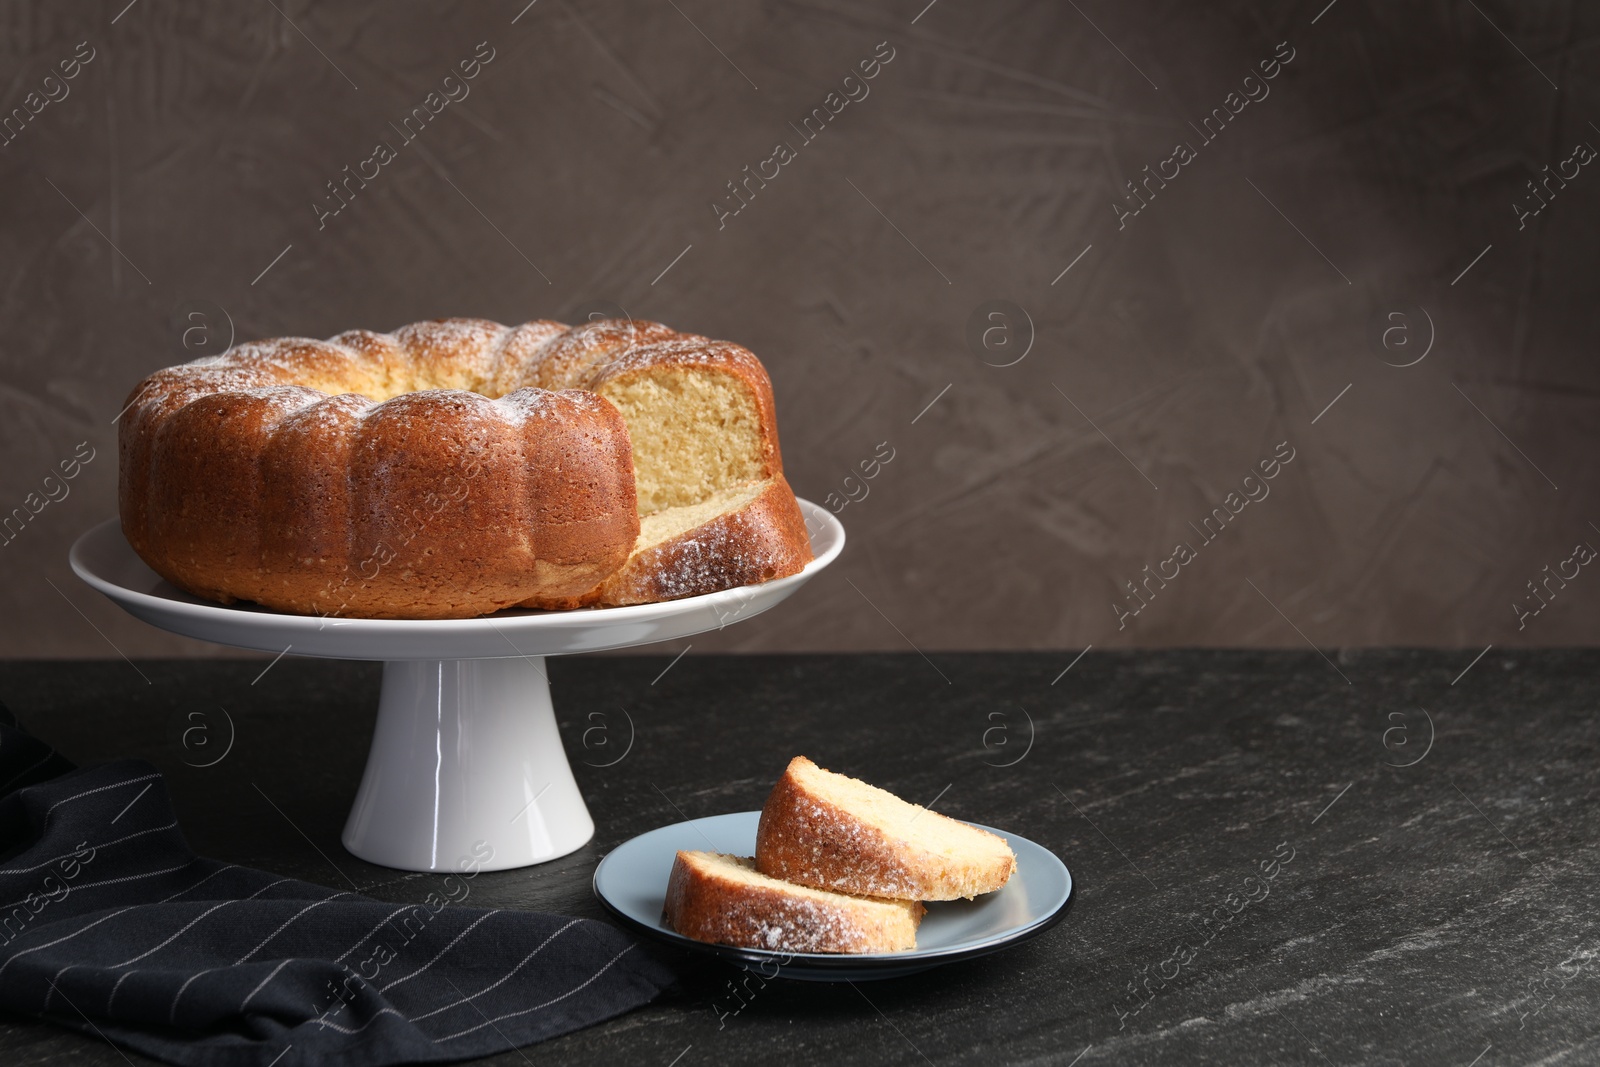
(457, 467)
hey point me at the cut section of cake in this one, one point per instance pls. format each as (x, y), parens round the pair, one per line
(725, 900)
(834, 832)
(714, 509)
(701, 414)
(741, 535)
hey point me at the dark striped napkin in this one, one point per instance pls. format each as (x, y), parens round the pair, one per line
(114, 927)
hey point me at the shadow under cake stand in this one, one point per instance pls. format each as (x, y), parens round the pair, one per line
(465, 751)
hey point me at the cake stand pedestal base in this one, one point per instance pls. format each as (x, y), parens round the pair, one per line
(466, 767)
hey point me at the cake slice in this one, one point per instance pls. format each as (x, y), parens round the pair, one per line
(725, 900)
(834, 832)
(715, 512)
(742, 535)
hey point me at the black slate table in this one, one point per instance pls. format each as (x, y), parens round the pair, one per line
(1374, 859)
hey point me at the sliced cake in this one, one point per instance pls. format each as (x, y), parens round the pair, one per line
(457, 467)
(738, 536)
(834, 832)
(725, 900)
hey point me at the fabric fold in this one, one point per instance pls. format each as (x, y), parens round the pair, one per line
(113, 926)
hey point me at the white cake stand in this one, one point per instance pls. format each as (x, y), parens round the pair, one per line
(466, 751)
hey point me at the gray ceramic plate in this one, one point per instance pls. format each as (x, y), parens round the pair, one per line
(632, 884)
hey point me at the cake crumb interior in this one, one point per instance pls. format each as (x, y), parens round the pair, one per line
(741, 870)
(695, 432)
(664, 525)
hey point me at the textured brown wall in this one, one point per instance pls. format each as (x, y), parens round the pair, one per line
(1220, 320)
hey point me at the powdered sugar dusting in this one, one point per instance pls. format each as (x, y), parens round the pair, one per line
(724, 898)
(477, 353)
(683, 351)
(473, 411)
(292, 356)
(469, 345)
(331, 412)
(569, 360)
(702, 557)
(520, 352)
(531, 403)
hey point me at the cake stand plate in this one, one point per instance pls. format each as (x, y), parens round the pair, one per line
(465, 757)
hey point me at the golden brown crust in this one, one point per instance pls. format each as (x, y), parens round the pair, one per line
(148, 406)
(804, 837)
(520, 356)
(306, 525)
(572, 360)
(704, 904)
(200, 517)
(580, 489)
(242, 478)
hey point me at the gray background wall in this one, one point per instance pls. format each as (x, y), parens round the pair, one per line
(1176, 352)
